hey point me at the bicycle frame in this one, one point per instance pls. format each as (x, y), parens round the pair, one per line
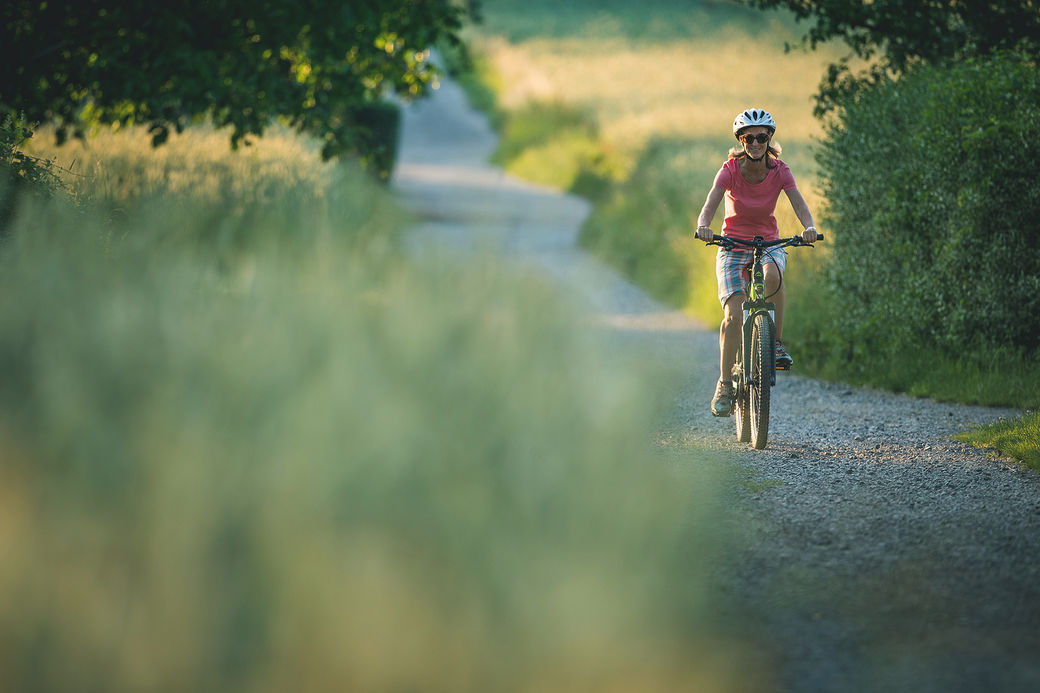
(756, 305)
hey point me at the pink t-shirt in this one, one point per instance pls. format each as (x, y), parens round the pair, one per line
(749, 208)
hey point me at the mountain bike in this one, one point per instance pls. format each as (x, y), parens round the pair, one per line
(754, 371)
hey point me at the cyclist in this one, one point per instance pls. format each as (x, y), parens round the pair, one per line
(750, 182)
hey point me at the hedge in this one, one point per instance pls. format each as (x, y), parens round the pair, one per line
(933, 204)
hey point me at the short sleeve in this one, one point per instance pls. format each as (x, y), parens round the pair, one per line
(724, 178)
(786, 178)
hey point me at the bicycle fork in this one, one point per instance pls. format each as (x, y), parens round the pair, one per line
(752, 308)
(751, 311)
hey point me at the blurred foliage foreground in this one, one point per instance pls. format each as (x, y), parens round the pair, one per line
(247, 445)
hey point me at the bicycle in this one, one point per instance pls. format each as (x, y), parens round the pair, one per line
(757, 349)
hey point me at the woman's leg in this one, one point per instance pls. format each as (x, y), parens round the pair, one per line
(729, 339)
(773, 280)
(730, 334)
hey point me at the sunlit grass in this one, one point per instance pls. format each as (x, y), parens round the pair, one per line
(1017, 438)
(246, 445)
(121, 165)
(677, 88)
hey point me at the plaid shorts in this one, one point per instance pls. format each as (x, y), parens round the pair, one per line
(733, 269)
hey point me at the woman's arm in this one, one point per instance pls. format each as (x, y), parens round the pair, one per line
(711, 204)
(801, 210)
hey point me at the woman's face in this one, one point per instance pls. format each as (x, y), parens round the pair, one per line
(750, 139)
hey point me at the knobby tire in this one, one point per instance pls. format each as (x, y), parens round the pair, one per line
(762, 366)
(743, 402)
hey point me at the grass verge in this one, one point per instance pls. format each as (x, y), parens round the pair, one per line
(1016, 438)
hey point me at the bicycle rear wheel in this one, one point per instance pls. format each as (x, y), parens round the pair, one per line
(762, 356)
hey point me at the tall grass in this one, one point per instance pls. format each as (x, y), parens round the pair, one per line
(246, 445)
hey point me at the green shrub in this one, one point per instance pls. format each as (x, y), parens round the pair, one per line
(377, 133)
(934, 213)
(21, 173)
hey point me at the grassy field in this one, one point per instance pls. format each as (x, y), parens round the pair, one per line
(247, 445)
(659, 69)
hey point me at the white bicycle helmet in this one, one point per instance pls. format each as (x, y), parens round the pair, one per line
(752, 117)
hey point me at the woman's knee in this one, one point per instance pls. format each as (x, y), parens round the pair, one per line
(733, 311)
(773, 278)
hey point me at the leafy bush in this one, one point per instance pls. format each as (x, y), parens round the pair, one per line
(893, 37)
(21, 172)
(934, 213)
(374, 140)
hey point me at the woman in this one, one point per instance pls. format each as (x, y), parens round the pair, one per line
(750, 182)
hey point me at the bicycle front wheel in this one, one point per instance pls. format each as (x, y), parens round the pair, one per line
(762, 356)
(743, 401)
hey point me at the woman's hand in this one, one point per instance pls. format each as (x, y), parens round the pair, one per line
(809, 235)
(704, 233)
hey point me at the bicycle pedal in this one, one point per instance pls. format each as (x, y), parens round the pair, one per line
(782, 367)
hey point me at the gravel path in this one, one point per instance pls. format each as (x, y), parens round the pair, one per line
(877, 554)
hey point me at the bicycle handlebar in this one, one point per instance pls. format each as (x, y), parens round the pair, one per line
(730, 241)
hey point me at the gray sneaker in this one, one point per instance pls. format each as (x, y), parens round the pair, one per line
(722, 402)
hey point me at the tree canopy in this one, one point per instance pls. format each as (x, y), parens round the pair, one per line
(896, 34)
(242, 63)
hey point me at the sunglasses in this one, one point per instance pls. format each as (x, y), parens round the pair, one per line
(749, 139)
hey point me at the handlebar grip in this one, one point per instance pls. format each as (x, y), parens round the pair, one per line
(819, 236)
